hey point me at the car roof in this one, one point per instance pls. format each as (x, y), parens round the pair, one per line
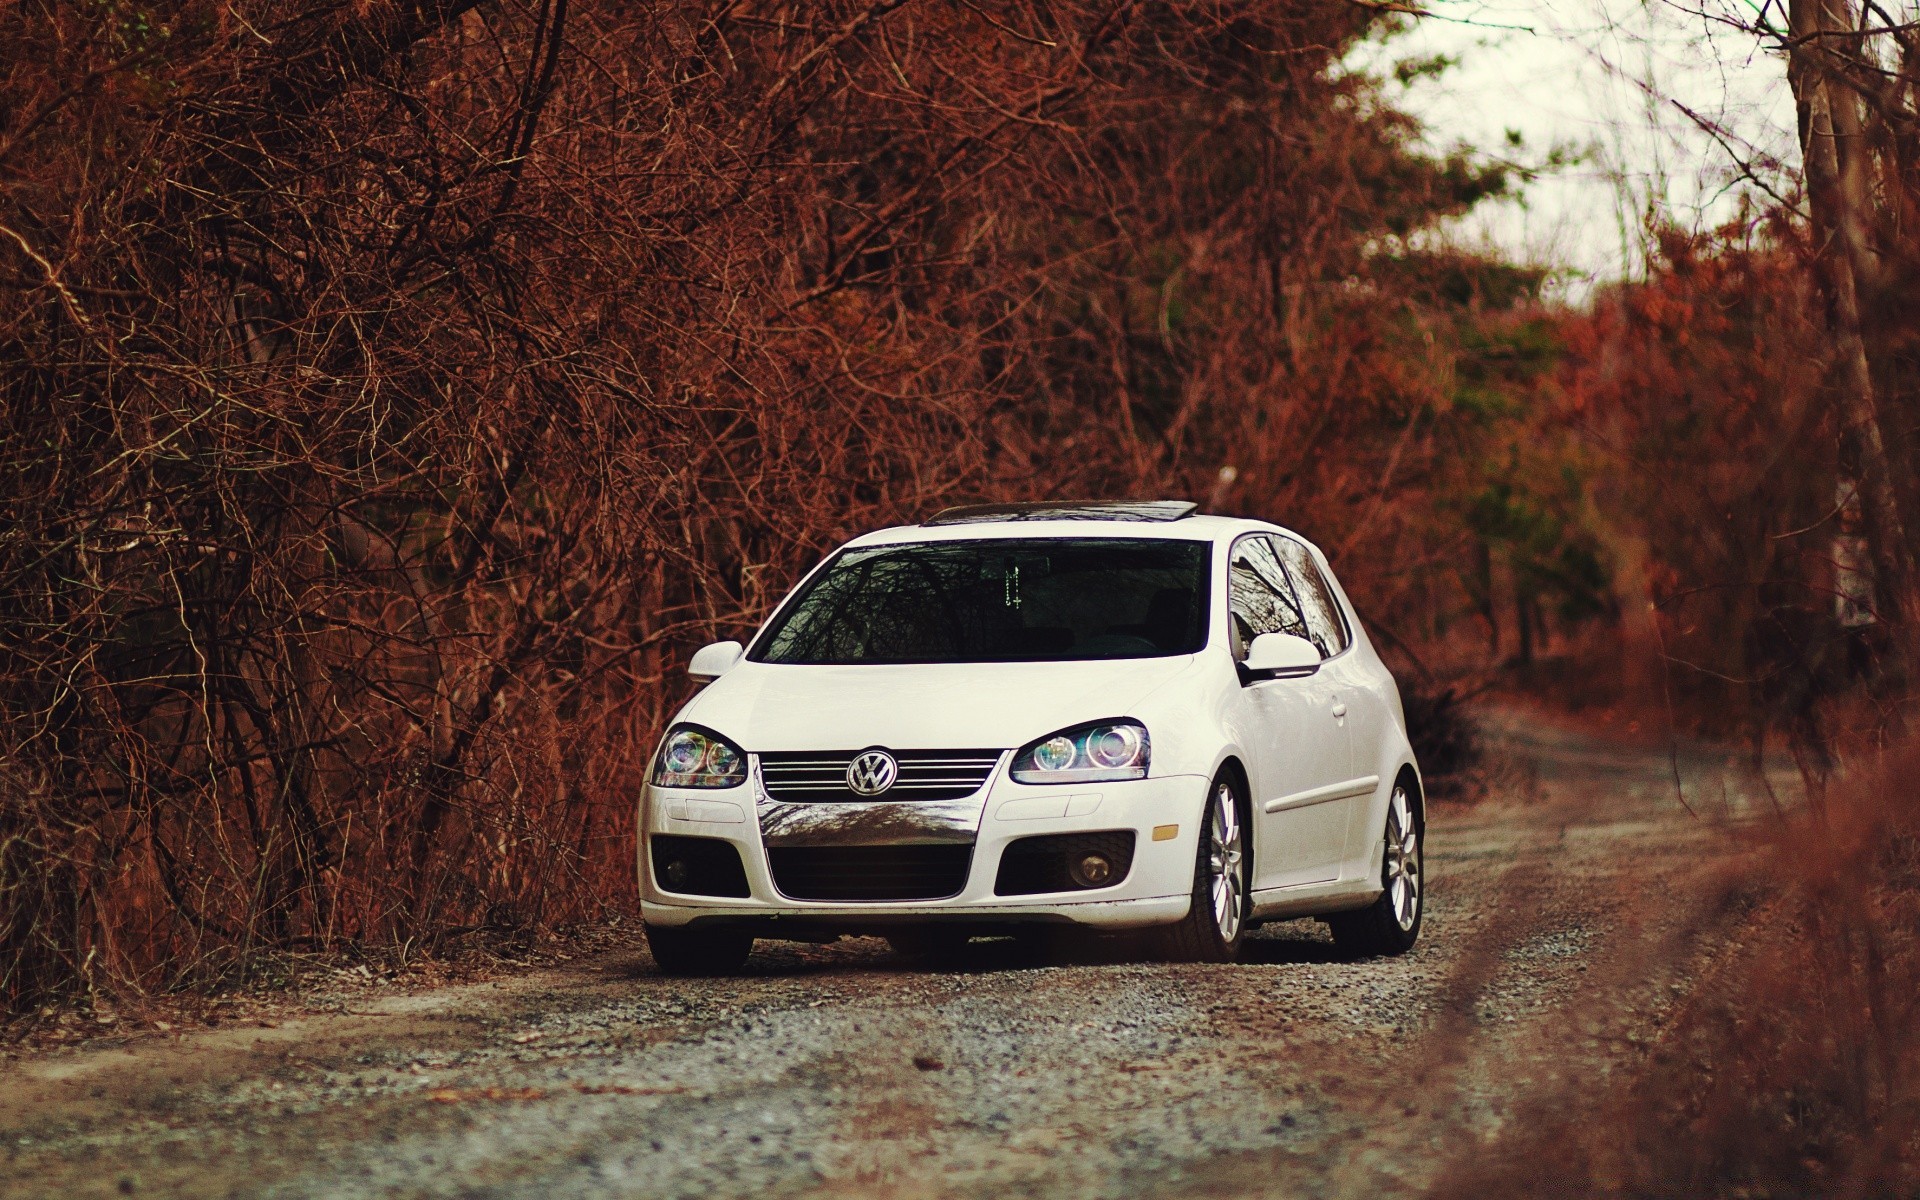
(1154, 511)
(1196, 528)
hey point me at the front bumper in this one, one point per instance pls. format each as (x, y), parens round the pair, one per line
(1155, 891)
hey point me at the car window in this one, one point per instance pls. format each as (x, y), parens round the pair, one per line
(1259, 597)
(1325, 627)
(997, 600)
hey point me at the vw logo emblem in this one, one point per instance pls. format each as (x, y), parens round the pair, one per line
(871, 772)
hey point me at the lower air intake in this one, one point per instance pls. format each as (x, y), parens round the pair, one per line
(697, 866)
(1064, 862)
(923, 872)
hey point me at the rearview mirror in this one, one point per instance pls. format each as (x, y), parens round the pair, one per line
(1281, 656)
(711, 662)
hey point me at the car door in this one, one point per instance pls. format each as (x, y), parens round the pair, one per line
(1353, 688)
(1298, 742)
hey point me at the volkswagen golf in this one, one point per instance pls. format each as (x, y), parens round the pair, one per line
(1020, 717)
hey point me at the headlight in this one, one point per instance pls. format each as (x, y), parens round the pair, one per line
(1087, 754)
(698, 758)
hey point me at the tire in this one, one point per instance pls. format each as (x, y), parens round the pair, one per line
(694, 951)
(1391, 924)
(1215, 926)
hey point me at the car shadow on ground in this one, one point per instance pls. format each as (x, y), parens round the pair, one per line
(1279, 945)
(1281, 949)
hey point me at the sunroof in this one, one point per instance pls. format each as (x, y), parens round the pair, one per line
(1066, 510)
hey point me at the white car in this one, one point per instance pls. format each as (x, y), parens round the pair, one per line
(1112, 716)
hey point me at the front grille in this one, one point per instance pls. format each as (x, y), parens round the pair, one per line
(821, 775)
(923, 872)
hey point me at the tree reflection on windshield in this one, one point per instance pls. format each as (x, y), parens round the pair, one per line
(1002, 600)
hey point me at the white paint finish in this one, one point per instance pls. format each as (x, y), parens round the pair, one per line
(1198, 713)
(1312, 899)
(1298, 742)
(997, 706)
(1374, 728)
(1160, 869)
(1035, 808)
(717, 812)
(1300, 748)
(1282, 654)
(1032, 808)
(713, 661)
(1141, 913)
(1343, 790)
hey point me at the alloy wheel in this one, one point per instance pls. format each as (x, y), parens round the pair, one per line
(1403, 860)
(1226, 862)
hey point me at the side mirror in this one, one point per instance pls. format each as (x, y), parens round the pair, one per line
(1281, 656)
(711, 662)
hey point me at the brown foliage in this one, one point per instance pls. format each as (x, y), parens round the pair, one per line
(1756, 402)
(395, 391)
(1708, 391)
(1705, 386)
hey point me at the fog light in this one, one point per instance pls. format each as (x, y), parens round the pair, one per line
(1091, 870)
(673, 874)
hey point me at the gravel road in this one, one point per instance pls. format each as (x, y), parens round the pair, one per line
(1556, 910)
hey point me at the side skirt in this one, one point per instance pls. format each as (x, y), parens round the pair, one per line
(1313, 899)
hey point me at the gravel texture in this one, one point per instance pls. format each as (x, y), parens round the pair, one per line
(1560, 920)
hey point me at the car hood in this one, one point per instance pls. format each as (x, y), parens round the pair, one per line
(1001, 706)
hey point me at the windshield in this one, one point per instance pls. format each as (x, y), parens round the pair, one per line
(1011, 600)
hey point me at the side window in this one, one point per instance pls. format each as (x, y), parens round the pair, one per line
(1259, 597)
(1326, 628)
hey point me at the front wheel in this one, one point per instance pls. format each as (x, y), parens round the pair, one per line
(1216, 920)
(1391, 924)
(694, 951)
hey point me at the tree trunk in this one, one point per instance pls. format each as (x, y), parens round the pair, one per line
(1853, 161)
(1839, 230)
(1524, 621)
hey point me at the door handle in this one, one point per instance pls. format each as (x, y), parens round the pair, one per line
(1339, 709)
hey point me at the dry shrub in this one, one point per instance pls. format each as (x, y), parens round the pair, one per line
(395, 392)
(1793, 1068)
(1445, 738)
(1708, 391)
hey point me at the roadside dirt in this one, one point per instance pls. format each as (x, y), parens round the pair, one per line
(1563, 915)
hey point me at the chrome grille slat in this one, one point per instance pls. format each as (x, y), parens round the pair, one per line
(924, 774)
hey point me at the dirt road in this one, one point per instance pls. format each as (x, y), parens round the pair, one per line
(844, 1071)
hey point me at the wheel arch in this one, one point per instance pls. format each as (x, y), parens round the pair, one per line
(1409, 778)
(1232, 767)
